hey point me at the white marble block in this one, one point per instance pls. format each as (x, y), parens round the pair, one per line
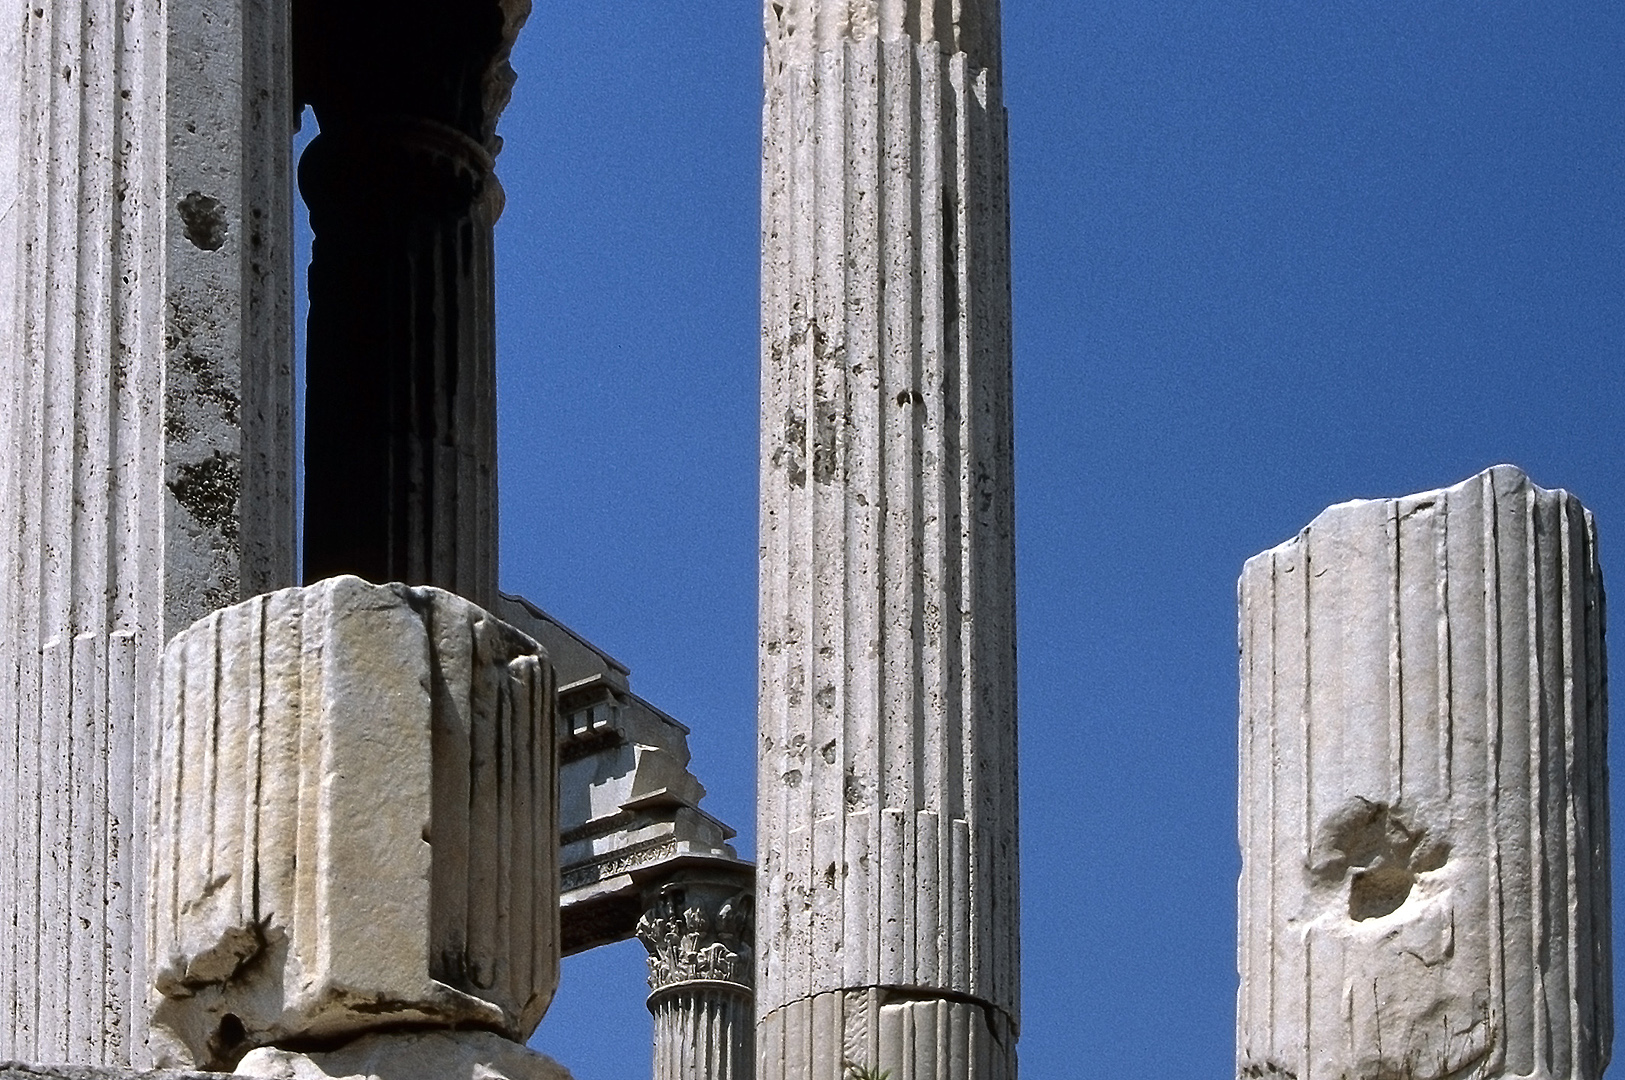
(888, 903)
(1424, 792)
(354, 824)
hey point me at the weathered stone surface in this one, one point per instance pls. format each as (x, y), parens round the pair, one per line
(887, 782)
(146, 462)
(1424, 792)
(354, 824)
(428, 1055)
(14, 1070)
(700, 935)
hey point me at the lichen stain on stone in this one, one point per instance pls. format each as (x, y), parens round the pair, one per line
(209, 490)
(204, 217)
(825, 455)
(788, 454)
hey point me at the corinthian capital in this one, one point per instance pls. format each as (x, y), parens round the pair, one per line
(436, 60)
(700, 932)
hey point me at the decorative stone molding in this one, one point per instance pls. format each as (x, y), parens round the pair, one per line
(887, 796)
(700, 935)
(355, 823)
(1424, 792)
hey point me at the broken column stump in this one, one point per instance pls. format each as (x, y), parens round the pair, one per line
(1424, 792)
(354, 826)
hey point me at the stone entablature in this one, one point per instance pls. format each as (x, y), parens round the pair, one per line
(629, 808)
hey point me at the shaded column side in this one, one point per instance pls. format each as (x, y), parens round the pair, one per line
(400, 459)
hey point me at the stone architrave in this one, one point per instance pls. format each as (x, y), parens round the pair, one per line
(1424, 792)
(700, 935)
(146, 450)
(355, 823)
(400, 461)
(888, 893)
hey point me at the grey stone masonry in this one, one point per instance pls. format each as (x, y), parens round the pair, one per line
(146, 459)
(1424, 792)
(888, 894)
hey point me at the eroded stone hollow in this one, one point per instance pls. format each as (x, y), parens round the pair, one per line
(1378, 852)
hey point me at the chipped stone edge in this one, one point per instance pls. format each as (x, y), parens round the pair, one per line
(17, 1070)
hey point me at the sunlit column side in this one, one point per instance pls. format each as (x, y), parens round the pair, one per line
(1424, 792)
(400, 453)
(145, 450)
(888, 897)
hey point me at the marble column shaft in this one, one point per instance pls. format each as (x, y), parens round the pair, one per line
(1424, 792)
(146, 467)
(888, 895)
(400, 451)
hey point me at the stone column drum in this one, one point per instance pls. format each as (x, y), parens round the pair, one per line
(888, 895)
(700, 934)
(354, 824)
(1424, 792)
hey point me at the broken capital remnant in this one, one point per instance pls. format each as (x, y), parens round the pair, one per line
(1424, 792)
(354, 824)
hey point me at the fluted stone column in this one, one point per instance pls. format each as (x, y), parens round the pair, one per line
(1424, 792)
(888, 892)
(400, 453)
(146, 465)
(700, 934)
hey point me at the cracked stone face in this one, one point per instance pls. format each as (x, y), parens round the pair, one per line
(355, 823)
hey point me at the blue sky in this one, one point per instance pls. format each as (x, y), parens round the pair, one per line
(1268, 257)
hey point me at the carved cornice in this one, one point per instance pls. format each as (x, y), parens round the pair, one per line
(700, 933)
